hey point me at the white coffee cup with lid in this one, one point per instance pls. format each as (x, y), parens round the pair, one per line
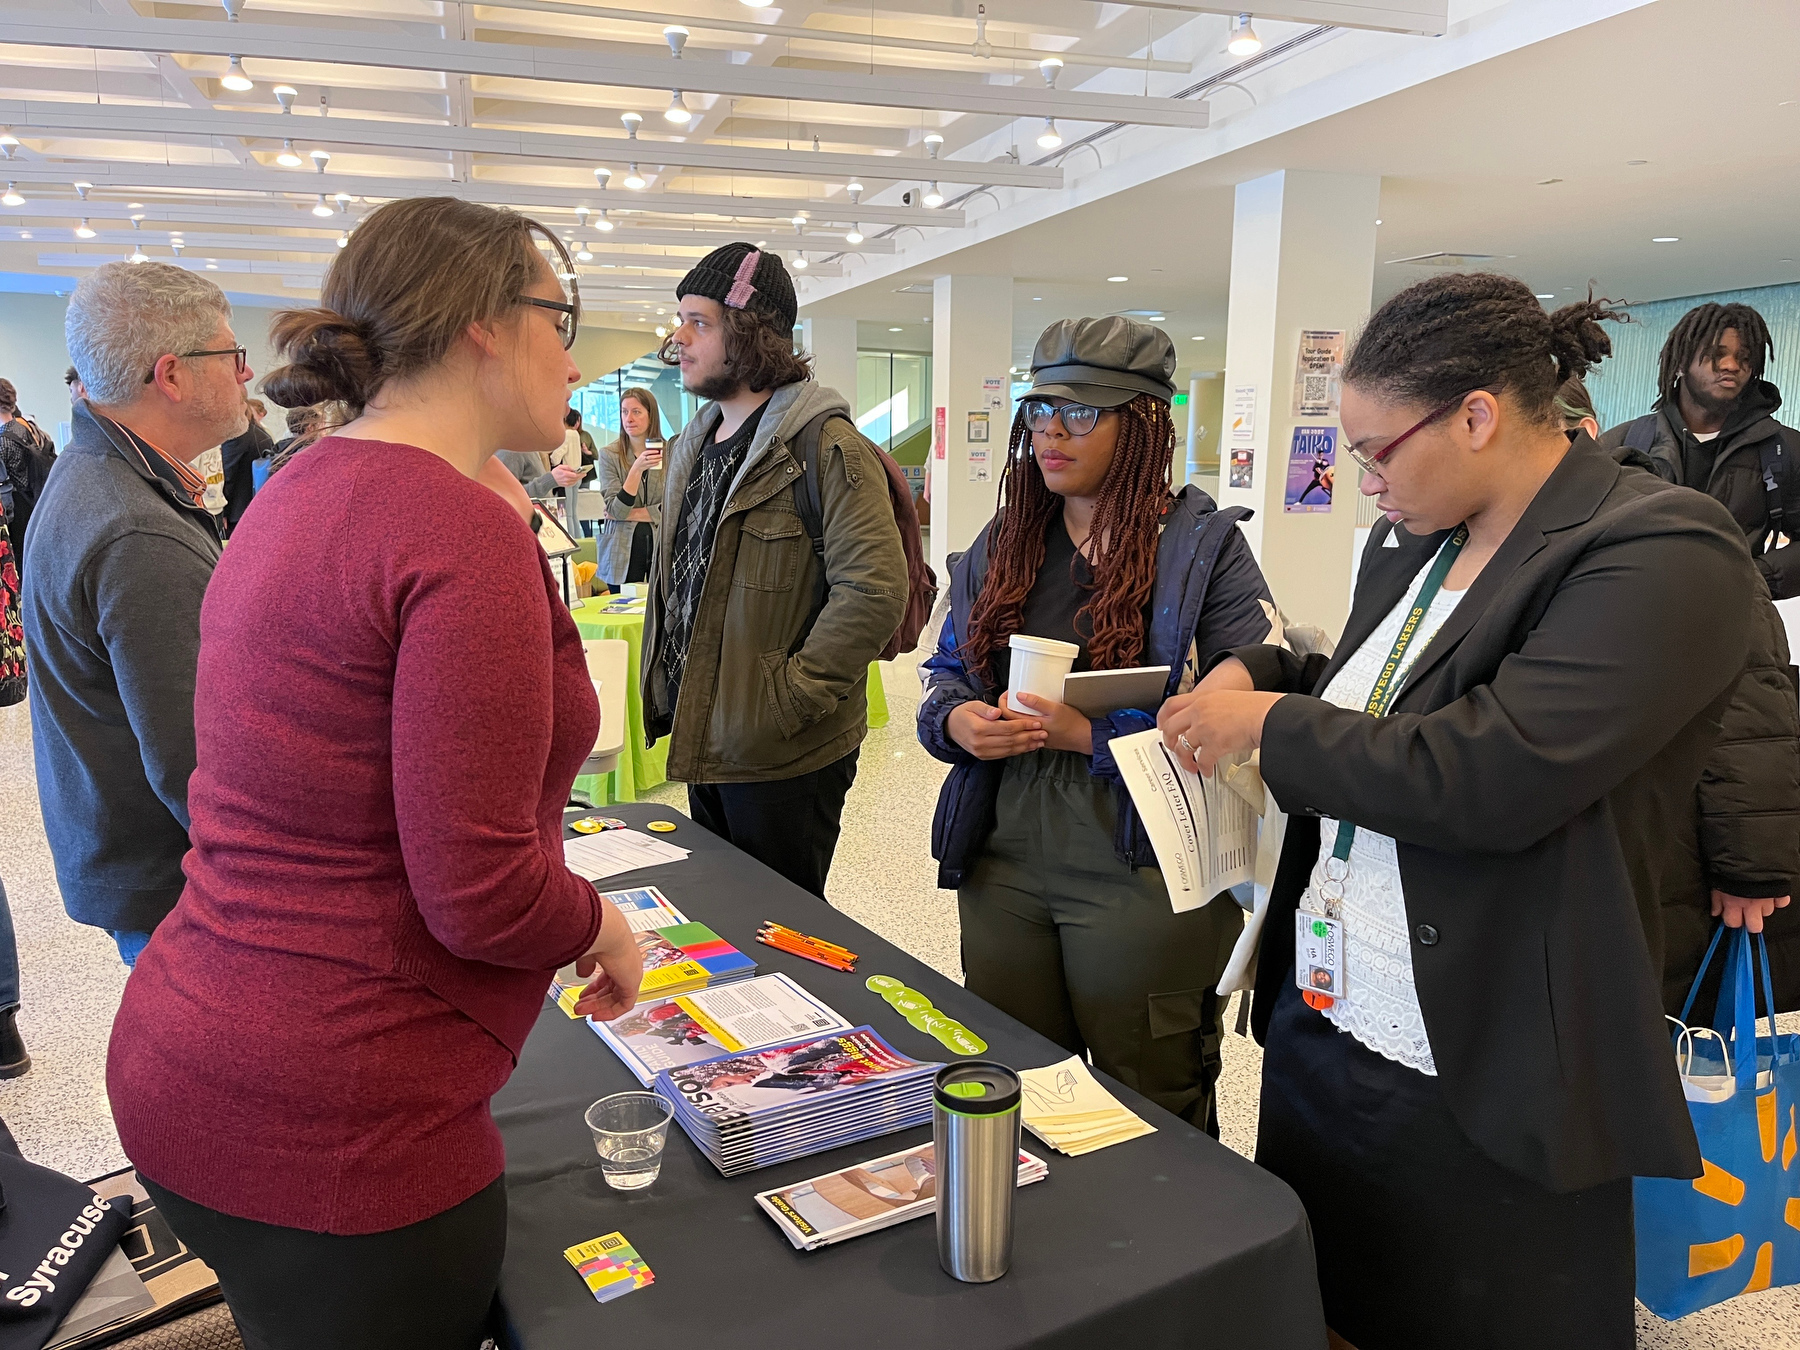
(1039, 666)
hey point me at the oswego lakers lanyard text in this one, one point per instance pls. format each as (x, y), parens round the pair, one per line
(1319, 948)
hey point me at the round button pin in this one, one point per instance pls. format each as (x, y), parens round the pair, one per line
(663, 826)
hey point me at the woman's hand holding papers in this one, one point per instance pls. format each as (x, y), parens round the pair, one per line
(1223, 716)
(614, 990)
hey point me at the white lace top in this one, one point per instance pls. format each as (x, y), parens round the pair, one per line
(1380, 1006)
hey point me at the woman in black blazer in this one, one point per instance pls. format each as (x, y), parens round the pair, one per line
(1464, 1117)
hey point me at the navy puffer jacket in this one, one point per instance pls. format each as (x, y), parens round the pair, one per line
(1209, 597)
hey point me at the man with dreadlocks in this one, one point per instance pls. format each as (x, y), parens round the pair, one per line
(1714, 429)
(1066, 923)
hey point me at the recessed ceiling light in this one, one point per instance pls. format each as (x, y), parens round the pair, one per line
(1550, 295)
(1199, 337)
(1666, 239)
(1378, 220)
(1118, 278)
(1635, 162)
(893, 330)
(1037, 297)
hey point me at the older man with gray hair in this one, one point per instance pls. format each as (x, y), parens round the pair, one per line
(121, 552)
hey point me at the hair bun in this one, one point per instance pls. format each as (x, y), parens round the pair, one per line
(329, 360)
(1577, 341)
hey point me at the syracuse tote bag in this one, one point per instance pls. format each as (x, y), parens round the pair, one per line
(1736, 1229)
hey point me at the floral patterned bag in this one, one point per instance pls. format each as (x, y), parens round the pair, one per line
(12, 629)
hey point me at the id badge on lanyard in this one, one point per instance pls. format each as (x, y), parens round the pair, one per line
(1319, 937)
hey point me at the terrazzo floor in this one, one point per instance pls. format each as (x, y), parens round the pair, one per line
(883, 876)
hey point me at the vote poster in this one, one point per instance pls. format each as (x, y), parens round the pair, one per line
(1312, 464)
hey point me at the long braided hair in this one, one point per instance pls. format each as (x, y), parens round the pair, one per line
(1698, 331)
(1122, 546)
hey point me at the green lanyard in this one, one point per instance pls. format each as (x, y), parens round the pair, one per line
(1386, 683)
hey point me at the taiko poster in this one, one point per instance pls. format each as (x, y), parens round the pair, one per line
(1312, 465)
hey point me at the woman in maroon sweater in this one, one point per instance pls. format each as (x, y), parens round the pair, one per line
(391, 708)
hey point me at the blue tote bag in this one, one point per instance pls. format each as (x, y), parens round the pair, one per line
(1736, 1229)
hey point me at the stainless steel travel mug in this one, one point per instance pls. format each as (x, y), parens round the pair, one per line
(975, 1122)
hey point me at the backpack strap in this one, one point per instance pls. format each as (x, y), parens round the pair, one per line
(1640, 433)
(1775, 472)
(810, 505)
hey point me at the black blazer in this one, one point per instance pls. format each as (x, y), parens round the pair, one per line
(1585, 672)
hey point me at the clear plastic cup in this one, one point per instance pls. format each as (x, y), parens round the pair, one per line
(630, 1129)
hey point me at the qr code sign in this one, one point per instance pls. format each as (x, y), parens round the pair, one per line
(1315, 388)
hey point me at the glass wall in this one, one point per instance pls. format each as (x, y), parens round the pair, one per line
(598, 400)
(893, 407)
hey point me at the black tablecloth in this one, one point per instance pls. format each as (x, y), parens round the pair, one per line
(1168, 1240)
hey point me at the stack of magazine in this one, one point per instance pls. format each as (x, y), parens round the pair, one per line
(757, 1108)
(866, 1198)
(665, 1033)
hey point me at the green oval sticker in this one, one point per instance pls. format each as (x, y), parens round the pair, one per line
(910, 1001)
(883, 984)
(962, 1040)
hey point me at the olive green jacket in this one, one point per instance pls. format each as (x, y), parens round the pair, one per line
(762, 697)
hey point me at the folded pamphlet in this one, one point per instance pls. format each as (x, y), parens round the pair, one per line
(609, 1266)
(761, 1107)
(1065, 1106)
(867, 1197)
(665, 1033)
(1203, 829)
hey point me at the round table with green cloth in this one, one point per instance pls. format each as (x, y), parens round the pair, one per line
(641, 768)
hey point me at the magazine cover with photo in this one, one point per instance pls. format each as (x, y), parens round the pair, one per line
(758, 1082)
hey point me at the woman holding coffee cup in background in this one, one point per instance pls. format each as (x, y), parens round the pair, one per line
(1066, 923)
(630, 478)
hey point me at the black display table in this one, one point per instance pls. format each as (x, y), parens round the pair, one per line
(1168, 1240)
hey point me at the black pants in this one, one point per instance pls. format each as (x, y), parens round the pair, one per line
(427, 1286)
(1423, 1241)
(790, 824)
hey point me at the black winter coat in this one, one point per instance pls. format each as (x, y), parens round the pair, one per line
(1730, 471)
(1585, 672)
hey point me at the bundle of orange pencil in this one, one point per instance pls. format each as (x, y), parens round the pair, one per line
(795, 943)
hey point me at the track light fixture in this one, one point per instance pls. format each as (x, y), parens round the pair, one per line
(853, 236)
(581, 216)
(934, 195)
(603, 224)
(13, 196)
(322, 207)
(285, 94)
(603, 176)
(933, 142)
(1049, 138)
(1243, 41)
(138, 255)
(289, 158)
(320, 159)
(677, 112)
(343, 240)
(176, 248)
(84, 230)
(82, 190)
(583, 254)
(1050, 67)
(800, 263)
(234, 78)
(633, 179)
(676, 36)
(632, 121)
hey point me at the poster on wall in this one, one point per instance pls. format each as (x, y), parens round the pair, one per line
(978, 464)
(993, 392)
(1312, 463)
(940, 432)
(978, 428)
(1243, 469)
(1318, 370)
(1243, 413)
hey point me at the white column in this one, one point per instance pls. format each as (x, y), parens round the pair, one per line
(832, 345)
(971, 352)
(1302, 258)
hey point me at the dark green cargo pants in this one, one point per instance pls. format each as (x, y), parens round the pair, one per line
(1062, 935)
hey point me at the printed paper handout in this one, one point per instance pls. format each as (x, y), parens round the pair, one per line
(1203, 829)
(866, 1198)
(598, 856)
(665, 1033)
(1065, 1106)
(609, 1266)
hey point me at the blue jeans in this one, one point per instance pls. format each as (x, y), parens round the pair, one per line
(9, 956)
(131, 946)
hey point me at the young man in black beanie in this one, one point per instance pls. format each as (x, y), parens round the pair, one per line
(756, 649)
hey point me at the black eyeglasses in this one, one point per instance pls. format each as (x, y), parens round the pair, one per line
(240, 353)
(1077, 418)
(565, 326)
(1372, 463)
